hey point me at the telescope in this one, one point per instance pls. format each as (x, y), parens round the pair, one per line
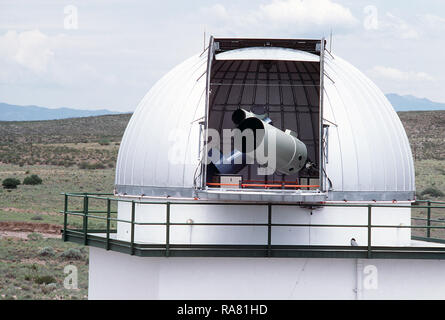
(290, 154)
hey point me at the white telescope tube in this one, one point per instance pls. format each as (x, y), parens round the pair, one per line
(290, 154)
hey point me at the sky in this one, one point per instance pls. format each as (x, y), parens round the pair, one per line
(94, 54)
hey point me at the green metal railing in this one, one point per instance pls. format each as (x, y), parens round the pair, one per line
(101, 237)
(428, 220)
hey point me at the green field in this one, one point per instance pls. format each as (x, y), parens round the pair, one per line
(45, 200)
(78, 155)
(40, 204)
(33, 268)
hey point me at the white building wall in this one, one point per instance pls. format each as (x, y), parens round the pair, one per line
(188, 234)
(114, 275)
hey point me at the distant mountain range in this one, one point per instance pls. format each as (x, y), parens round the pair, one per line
(412, 103)
(9, 112)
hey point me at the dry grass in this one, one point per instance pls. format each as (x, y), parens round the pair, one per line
(66, 142)
(25, 273)
(426, 133)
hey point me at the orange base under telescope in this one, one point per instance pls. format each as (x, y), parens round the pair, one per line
(243, 185)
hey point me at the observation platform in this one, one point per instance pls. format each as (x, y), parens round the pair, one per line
(91, 219)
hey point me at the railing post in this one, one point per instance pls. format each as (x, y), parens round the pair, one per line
(428, 220)
(65, 218)
(369, 231)
(108, 223)
(133, 209)
(269, 230)
(85, 219)
(167, 231)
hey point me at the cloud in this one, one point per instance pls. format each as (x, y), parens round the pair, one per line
(432, 21)
(431, 25)
(400, 28)
(306, 14)
(399, 75)
(419, 26)
(30, 49)
(280, 17)
(217, 11)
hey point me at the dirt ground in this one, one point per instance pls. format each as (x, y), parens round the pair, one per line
(21, 229)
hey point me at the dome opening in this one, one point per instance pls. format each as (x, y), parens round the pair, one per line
(286, 92)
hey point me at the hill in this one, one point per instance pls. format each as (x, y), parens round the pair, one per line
(426, 133)
(66, 142)
(73, 130)
(412, 103)
(72, 141)
(9, 112)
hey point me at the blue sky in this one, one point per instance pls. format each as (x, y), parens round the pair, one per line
(119, 48)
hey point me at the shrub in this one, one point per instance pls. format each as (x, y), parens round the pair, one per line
(34, 236)
(46, 252)
(32, 180)
(433, 192)
(83, 165)
(10, 183)
(91, 166)
(49, 287)
(45, 279)
(419, 196)
(104, 142)
(97, 165)
(68, 163)
(73, 254)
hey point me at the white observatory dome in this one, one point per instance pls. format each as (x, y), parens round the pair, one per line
(368, 155)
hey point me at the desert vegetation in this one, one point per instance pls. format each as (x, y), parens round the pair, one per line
(426, 133)
(93, 141)
(10, 183)
(33, 268)
(32, 180)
